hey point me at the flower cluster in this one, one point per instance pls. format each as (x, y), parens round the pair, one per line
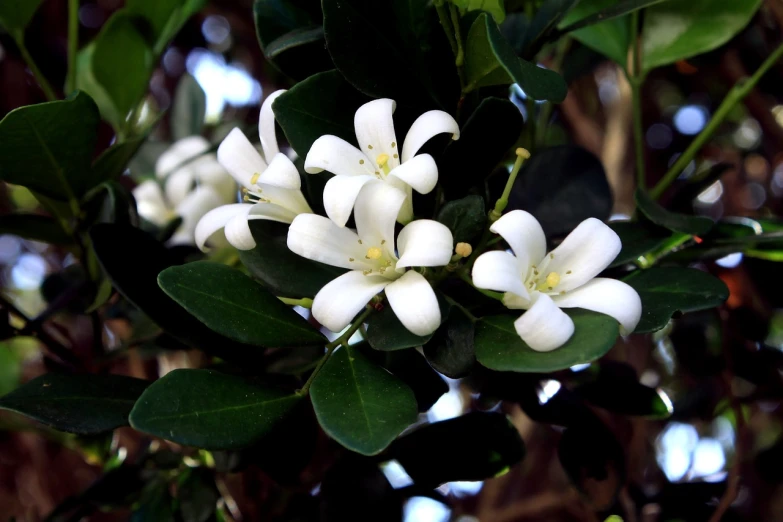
(375, 183)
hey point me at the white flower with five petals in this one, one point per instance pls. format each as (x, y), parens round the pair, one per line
(378, 158)
(376, 265)
(543, 283)
(270, 183)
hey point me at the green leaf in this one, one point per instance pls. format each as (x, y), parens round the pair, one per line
(499, 347)
(475, 446)
(545, 20)
(611, 37)
(678, 30)
(298, 37)
(48, 147)
(163, 18)
(114, 161)
(590, 12)
(451, 351)
(16, 14)
(35, 227)
(359, 404)
(231, 304)
(403, 53)
(304, 117)
(637, 239)
(490, 60)
(465, 218)
(110, 202)
(189, 108)
(283, 272)
(385, 332)
(122, 62)
(693, 225)
(84, 404)
(493, 7)
(209, 409)
(667, 290)
(411, 368)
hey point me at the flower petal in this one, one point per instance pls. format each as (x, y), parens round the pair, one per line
(178, 185)
(583, 254)
(499, 271)
(420, 172)
(216, 219)
(191, 210)
(337, 303)
(266, 126)
(545, 326)
(151, 204)
(414, 303)
(340, 195)
(318, 238)
(240, 158)
(208, 171)
(523, 234)
(337, 156)
(180, 151)
(292, 200)
(374, 127)
(607, 296)
(282, 173)
(238, 232)
(375, 214)
(405, 215)
(425, 127)
(424, 243)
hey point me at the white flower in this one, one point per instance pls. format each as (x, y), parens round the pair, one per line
(271, 184)
(370, 253)
(543, 283)
(380, 158)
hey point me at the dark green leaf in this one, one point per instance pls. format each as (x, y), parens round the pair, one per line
(385, 332)
(667, 290)
(465, 218)
(209, 409)
(637, 239)
(163, 18)
(451, 350)
(490, 60)
(475, 446)
(112, 162)
(615, 387)
(562, 186)
(493, 7)
(283, 272)
(545, 20)
(189, 108)
(413, 370)
(16, 14)
(612, 38)
(48, 147)
(678, 30)
(693, 225)
(359, 404)
(155, 504)
(499, 347)
(198, 496)
(297, 37)
(231, 304)
(492, 128)
(305, 117)
(35, 227)
(403, 53)
(111, 202)
(602, 10)
(118, 249)
(84, 404)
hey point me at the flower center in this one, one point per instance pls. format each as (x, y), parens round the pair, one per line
(373, 253)
(549, 283)
(255, 196)
(383, 162)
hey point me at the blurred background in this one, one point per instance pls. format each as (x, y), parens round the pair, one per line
(694, 455)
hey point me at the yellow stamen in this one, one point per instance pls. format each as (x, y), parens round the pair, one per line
(383, 162)
(523, 153)
(463, 249)
(254, 178)
(552, 279)
(373, 253)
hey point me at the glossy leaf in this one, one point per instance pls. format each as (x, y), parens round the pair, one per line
(499, 347)
(305, 117)
(490, 60)
(679, 30)
(543, 23)
(36, 227)
(451, 351)
(465, 218)
(475, 446)
(209, 409)
(493, 7)
(610, 37)
(231, 304)
(385, 332)
(667, 290)
(637, 239)
(16, 14)
(84, 404)
(359, 404)
(412, 369)
(694, 225)
(283, 272)
(189, 108)
(601, 11)
(48, 147)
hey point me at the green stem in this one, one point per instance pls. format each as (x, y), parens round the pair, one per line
(636, 78)
(73, 44)
(332, 346)
(735, 95)
(443, 16)
(464, 310)
(40, 78)
(459, 58)
(502, 203)
(666, 248)
(304, 302)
